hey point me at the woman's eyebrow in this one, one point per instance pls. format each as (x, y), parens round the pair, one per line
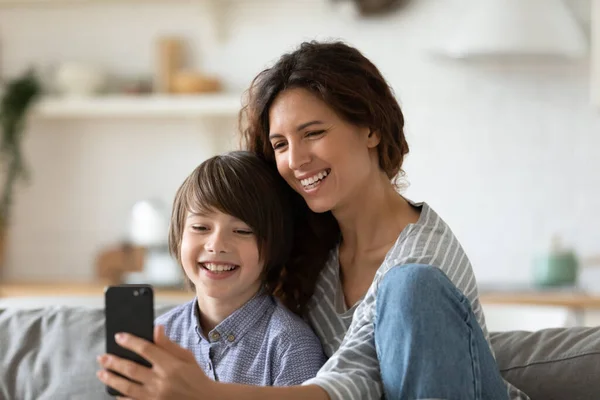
(298, 129)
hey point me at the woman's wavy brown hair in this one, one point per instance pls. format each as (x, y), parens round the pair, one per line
(242, 185)
(354, 88)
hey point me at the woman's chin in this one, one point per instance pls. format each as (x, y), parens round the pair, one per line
(318, 206)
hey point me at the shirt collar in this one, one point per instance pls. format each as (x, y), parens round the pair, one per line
(235, 326)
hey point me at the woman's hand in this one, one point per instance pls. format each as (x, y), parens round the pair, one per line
(175, 374)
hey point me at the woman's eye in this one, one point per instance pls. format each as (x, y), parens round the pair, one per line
(244, 232)
(314, 133)
(278, 145)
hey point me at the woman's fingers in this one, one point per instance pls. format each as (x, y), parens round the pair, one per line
(126, 368)
(124, 386)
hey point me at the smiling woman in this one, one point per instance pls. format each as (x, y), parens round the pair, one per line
(383, 281)
(328, 121)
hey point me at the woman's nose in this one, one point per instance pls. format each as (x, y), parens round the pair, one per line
(297, 156)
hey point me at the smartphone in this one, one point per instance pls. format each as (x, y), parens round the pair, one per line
(130, 309)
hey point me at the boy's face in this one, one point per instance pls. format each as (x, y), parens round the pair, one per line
(219, 254)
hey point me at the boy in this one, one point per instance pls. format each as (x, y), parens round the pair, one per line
(231, 231)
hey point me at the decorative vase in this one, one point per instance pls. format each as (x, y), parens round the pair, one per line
(557, 268)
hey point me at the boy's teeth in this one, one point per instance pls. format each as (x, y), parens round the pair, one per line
(219, 267)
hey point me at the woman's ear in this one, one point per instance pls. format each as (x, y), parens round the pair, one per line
(373, 139)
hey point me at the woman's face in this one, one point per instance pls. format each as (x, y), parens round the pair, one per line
(324, 158)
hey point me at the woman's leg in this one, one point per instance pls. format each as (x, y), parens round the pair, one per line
(428, 341)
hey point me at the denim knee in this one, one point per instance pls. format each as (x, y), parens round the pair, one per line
(428, 340)
(415, 286)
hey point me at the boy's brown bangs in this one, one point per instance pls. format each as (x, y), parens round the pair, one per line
(216, 186)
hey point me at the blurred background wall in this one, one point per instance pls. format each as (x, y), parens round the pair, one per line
(507, 153)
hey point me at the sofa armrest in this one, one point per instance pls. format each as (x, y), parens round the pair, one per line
(50, 353)
(551, 364)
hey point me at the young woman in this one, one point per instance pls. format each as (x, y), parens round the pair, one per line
(395, 301)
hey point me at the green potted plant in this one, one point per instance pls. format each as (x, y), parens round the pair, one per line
(16, 100)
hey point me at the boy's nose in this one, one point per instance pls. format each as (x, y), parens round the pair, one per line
(216, 244)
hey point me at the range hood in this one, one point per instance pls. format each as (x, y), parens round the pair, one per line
(513, 28)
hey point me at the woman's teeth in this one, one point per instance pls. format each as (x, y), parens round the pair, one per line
(219, 267)
(311, 182)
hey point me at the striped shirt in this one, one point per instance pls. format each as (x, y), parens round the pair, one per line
(347, 335)
(261, 343)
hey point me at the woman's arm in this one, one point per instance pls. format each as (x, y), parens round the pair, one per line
(175, 374)
(353, 372)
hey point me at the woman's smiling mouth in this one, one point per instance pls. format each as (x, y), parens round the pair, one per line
(315, 180)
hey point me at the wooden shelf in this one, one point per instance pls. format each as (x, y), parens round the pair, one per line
(91, 289)
(150, 106)
(94, 289)
(546, 299)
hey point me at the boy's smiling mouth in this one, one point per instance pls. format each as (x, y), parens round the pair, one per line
(218, 268)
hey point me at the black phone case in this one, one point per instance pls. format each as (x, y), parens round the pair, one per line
(128, 308)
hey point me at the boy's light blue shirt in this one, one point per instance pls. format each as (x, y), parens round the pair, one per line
(261, 343)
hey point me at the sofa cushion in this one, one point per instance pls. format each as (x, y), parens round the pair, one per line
(551, 364)
(51, 353)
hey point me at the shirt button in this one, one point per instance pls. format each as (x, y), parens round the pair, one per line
(215, 336)
(231, 338)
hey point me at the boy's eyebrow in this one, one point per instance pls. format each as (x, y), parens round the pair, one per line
(195, 214)
(298, 129)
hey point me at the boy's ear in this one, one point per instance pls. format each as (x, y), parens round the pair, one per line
(373, 139)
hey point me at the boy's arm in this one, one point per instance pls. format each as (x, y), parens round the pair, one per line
(299, 357)
(177, 375)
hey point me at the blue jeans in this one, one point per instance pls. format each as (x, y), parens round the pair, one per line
(428, 341)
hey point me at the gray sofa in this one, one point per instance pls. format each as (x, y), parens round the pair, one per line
(50, 354)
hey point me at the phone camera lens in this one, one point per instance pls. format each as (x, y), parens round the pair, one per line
(144, 292)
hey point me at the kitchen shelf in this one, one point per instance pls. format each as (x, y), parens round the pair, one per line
(81, 294)
(207, 105)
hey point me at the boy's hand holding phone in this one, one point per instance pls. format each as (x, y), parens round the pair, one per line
(141, 362)
(174, 374)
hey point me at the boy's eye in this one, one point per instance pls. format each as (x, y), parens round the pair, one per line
(244, 232)
(198, 228)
